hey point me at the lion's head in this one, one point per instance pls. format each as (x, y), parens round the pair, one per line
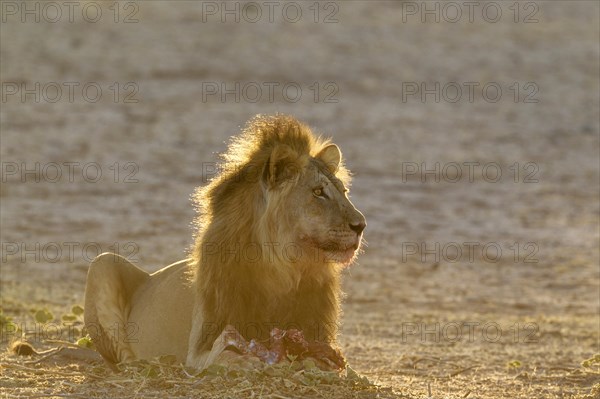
(314, 212)
(283, 190)
(275, 226)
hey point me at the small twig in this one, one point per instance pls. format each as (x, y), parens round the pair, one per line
(433, 359)
(39, 371)
(65, 343)
(182, 382)
(243, 390)
(54, 352)
(461, 371)
(561, 368)
(413, 372)
(115, 384)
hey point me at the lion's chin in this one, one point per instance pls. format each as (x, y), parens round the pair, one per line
(343, 257)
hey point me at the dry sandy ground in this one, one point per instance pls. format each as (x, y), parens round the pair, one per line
(514, 320)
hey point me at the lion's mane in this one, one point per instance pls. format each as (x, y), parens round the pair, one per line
(235, 216)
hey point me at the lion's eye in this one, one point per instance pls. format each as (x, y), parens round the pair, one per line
(318, 192)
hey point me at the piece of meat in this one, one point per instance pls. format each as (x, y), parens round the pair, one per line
(284, 343)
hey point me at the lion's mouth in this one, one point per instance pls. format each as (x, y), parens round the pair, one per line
(339, 253)
(336, 251)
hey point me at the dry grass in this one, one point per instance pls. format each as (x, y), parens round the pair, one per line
(62, 376)
(546, 367)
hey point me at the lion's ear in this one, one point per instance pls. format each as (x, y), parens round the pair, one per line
(332, 156)
(282, 165)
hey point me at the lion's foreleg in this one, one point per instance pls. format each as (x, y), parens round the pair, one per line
(203, 348)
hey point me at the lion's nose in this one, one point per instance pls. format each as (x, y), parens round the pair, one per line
(358, 227)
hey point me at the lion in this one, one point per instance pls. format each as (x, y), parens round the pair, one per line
(274, 230)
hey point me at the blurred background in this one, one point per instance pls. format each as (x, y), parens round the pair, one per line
(472, 129)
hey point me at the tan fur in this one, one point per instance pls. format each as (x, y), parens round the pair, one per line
(274, 229)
